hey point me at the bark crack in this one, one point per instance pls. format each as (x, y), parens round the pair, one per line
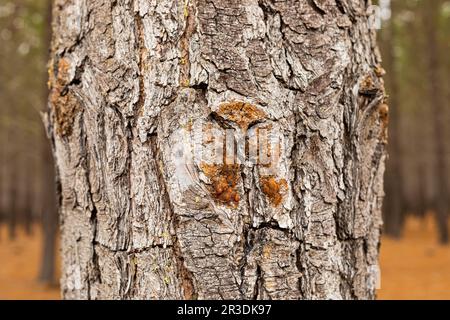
(316, 7)
(139, 34)
(189, 30)
(186, 277)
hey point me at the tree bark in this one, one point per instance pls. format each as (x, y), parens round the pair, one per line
(143, 218)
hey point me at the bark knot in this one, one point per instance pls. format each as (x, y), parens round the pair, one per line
(64, 104)
(242, 113)
(224, 179)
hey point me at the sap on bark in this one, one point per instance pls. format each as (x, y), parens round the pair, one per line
(379, 71)
(224, 180)
(65, 105)
(274, 189)
(242, 113)
(218, 154)
(383, 111)
(371, 84)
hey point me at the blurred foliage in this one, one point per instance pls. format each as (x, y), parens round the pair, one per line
(22, 69)
(24, 28)
(405, 43)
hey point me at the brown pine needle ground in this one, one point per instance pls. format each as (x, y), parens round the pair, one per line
(19, 267)
(416, 267)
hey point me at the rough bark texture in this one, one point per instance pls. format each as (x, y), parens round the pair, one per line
(130, 79)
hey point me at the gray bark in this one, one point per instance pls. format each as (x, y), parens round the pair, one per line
(131, 80)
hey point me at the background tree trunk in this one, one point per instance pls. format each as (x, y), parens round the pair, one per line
(437, 93)
(49, 207)
(394, 208)
(132, 80)
(49, 214)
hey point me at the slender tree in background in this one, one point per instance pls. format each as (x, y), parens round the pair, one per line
(437, 95)
(49, 201)
(131, 81)
(11, 130)
(394, 208)
(445, 36)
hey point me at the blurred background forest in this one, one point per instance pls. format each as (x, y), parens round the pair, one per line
(415, 255)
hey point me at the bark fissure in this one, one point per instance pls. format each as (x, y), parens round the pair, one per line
(316, 7)
(184, 274)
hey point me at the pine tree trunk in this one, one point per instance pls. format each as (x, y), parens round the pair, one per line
(289, 208)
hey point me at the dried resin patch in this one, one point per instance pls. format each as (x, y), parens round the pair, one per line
(274, 189)
(224, 179)
(242, 113)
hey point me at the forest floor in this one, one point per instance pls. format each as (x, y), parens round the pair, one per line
(19, 267)
(415, 267)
